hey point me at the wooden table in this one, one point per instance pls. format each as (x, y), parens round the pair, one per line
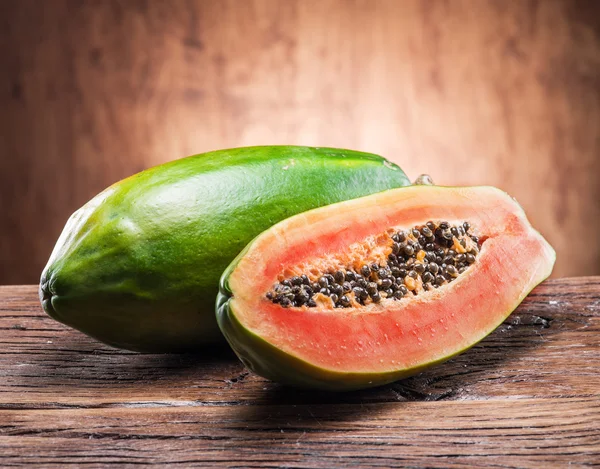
(527, 396)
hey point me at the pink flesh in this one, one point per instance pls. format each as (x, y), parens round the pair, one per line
(394, 334)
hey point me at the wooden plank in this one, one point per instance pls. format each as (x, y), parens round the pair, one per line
(527, 396)
(549, 347)
(472, 91)
(494, 433)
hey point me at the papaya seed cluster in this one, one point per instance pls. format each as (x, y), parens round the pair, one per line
(423, 258)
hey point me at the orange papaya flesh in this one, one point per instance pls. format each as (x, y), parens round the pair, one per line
(376, 343)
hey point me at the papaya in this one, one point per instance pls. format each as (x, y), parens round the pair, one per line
(138, 266)
(368, 291)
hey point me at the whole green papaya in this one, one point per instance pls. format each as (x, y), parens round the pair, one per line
(138, 266)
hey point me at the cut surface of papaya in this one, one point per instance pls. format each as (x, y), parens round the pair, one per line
(138, 266)
(368, 291)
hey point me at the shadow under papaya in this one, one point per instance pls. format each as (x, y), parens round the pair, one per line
(83, 364)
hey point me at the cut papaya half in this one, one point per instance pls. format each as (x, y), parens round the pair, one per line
(368, 291)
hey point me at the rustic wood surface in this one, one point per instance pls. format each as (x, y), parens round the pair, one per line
(526, 396)
(472, 91)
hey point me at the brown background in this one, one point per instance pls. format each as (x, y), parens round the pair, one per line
(473, 92)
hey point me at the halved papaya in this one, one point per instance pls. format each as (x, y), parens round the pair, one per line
(372, 290)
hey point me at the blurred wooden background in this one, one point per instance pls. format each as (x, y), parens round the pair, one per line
(473, 92)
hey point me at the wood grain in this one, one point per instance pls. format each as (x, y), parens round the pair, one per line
(527, 433)
(474, 92)
(526, 396)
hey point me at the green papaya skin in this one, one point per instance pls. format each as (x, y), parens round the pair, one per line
(138, 266)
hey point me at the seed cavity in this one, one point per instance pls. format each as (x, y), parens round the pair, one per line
(421, 259)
